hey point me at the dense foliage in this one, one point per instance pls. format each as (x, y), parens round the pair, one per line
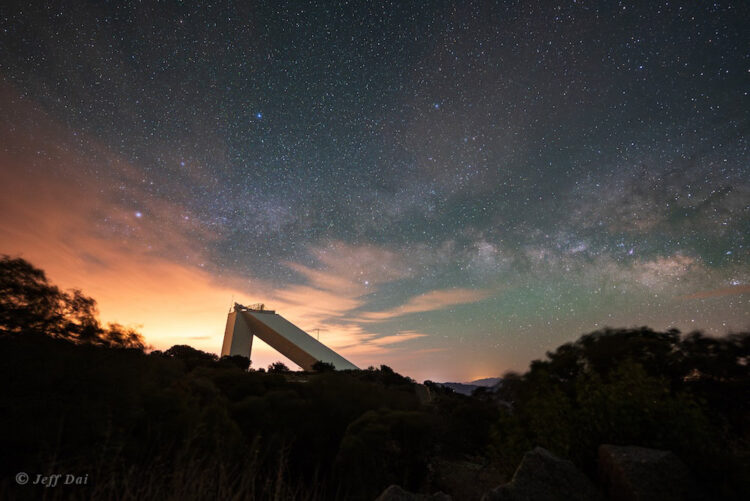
(178, 421)
(685, 393)
(183, 424)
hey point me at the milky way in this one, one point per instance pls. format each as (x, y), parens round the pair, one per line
(435, 184)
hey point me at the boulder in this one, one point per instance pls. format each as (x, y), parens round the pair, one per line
(641, 474)
(542, 476)
(396, 493)
(466, 478)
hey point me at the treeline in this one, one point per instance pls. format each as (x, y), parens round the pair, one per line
(686, 393)
(162, 425)
(79, 398)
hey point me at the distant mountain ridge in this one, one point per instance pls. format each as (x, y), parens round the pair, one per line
(488, 381)
(468, 388)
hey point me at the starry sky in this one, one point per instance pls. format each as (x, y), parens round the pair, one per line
(448, 188)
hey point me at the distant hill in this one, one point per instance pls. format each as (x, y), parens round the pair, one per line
(468, 388)
(488, 381)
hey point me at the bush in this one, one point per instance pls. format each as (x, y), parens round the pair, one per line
(635, 387)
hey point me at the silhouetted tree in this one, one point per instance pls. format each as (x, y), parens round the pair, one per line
(321, 366)
(278, 367)
(191, 357)
(235, 361)
(634, 386)
(30, 304)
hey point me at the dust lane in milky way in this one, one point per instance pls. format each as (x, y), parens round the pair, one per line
(447, 188)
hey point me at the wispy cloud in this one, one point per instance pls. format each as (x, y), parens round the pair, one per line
(352, 270)
(398, 338)
(430, 301)
(311, 303)
(364, 344)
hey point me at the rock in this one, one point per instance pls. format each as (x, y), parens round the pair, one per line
(396, 493)
(641, 474)
(465, 478)
(542, 476)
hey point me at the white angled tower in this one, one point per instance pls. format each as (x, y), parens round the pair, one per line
(295, 344)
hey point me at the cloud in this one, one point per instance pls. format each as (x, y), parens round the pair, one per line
(397, 338)
(430, 301)
(332, 289)
(358, 343)
(352, 269)
(328, 280)
(314, 305)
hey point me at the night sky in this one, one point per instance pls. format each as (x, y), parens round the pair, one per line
(447, 188)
